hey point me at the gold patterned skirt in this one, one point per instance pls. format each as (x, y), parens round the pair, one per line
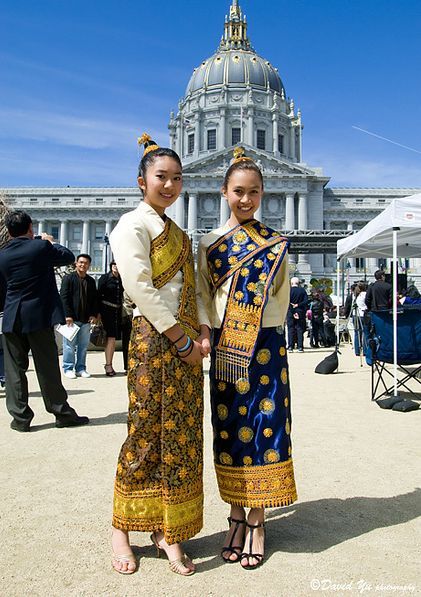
(158, 483)
(251, 422)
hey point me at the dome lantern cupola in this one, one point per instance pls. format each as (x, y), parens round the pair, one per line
(235, 31)
(235, 63)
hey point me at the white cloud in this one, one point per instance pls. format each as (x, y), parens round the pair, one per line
(64, 129)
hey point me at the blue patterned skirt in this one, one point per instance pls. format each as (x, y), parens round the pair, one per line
(251, 422)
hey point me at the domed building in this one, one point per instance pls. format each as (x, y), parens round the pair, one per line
(237, 97)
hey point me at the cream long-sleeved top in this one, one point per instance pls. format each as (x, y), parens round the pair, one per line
(131, 244)
(276, 308)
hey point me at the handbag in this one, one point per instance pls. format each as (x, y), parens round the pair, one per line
(98, 335)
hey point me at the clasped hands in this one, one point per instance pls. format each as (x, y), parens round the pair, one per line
(195, 350)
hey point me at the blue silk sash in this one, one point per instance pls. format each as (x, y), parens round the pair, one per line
(251, 253)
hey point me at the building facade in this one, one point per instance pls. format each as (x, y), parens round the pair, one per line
(233, 97)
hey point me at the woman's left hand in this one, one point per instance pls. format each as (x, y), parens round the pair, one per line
(205, 345)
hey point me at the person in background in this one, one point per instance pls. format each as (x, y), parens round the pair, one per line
(110, 292)
(349, 302)
(80, 301)
(296, 318)
(126, 327)
(379, 294)
(361, 321)
(32, 307)
(3, 287)
(317, 310)
(4, 239)
(411, 296)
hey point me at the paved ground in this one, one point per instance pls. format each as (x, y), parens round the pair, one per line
(355, 529)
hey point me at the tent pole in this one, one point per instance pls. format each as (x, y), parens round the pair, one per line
(338, 276)
(395, 310)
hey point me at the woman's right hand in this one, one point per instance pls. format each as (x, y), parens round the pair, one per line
(195, 357)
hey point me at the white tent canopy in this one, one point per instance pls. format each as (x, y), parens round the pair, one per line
(396, 232)
(376, 238)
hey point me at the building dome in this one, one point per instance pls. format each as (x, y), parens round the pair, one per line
(235, 67)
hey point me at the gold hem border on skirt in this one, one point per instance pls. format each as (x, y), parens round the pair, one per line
(265, 486)
(181, 516)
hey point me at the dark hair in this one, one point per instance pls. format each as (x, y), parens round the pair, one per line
(360, 287)
(85, 256)
(17, 223)
(412, 292)
(111, 264)
(379, 274)
(241, 165)
(151, 156)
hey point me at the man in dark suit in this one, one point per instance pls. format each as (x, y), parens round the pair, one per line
(79, 295)
(296, 316)
(379, 294)
(32, 307)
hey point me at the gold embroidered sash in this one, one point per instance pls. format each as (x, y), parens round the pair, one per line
(251, 253)
(171, 252)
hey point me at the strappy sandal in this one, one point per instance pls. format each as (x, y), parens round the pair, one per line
(230, 548)
(109, 371)
(258, 556)
(177, 566)
(127, 558)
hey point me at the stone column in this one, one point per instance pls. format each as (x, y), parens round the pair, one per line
(303, 262)
(179, 211)
(350, 226)
(289, 212)
(275, 133)
(415, 265)
(180, 137)
(107, 248)
(41, 227)
(371, 267)
(197, 136)
(251, 128)
(63, 234)
(224, 211)
(192, 213)
(85, 236)
(292, 144)
(302, 211)
(221, 143)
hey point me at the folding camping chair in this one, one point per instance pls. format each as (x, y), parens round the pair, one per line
(380, 349)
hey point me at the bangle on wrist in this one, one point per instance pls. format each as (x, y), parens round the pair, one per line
(186, 346)
(187, 352)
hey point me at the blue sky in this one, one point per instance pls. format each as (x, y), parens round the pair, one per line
(81, 80)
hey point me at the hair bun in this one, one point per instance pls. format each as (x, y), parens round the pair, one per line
(239, 154)
(149, 144)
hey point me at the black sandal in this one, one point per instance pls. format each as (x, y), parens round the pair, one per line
(258, 556)
(230, 548)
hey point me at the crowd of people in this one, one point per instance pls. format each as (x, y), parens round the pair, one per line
(234, 312)
(311, 313)
(377, 296)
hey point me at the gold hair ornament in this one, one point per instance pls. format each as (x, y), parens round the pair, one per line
(146, 140)
(239, 154)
